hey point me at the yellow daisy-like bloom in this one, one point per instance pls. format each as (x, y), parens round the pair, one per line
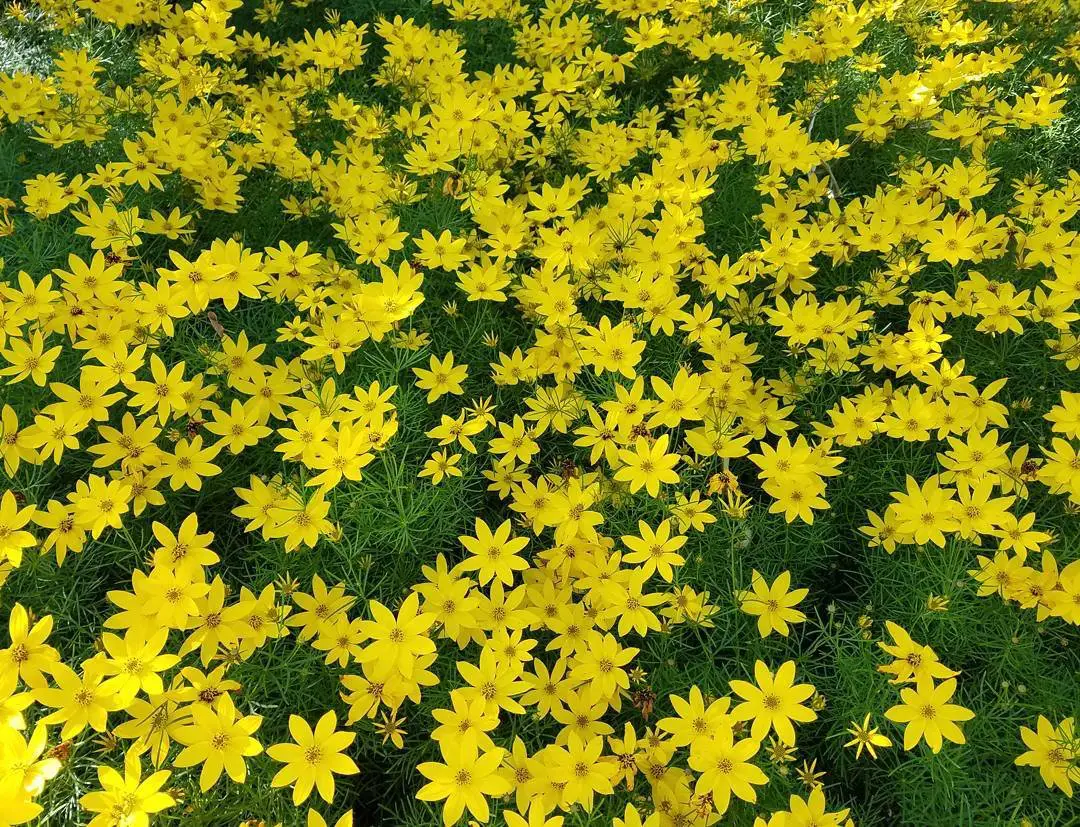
(313, 758)
(927, 714)
(774, 702)
(773, 604)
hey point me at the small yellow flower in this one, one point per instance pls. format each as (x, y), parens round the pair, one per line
(809, 775)
(866, 737)
(439, 466)
(391, 729)
(937, 603)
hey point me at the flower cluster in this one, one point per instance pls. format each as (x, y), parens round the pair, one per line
(729, 280)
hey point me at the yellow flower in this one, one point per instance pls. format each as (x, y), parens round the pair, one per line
(100, 504)
(774, 702)
(493, 555)
(655, 550)
(397, 641)
(648, 466)
(219, 740)
(465, 780)
(866, 737)
(725, 768)
(812, 811)
(912, 660)
(313, 818)
(313, 758)
(299, 521)
(1053, 750)
(632, 818)
(439, 466)
(12, 519)
(391, 729)
(514, 443)
(927, 714)
(30, 359)
(79, 700)
(694, 721)
(772, 604)
(133, 662)
(445, 251)
(441, 377)
(129, 797)
(29, 655)
(538, 817)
